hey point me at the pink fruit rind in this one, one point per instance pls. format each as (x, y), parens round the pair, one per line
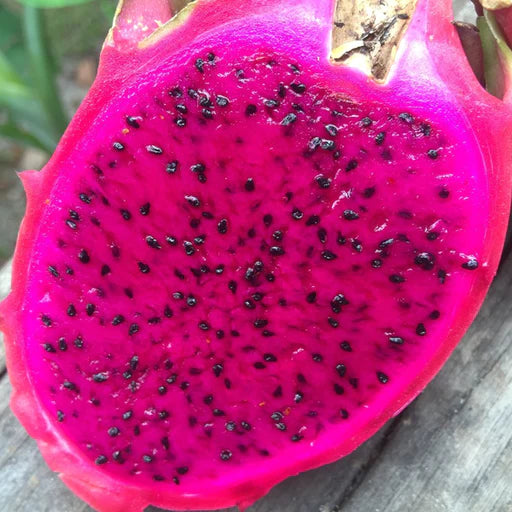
(430, 60)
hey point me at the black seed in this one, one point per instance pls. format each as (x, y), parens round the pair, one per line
(171, 240)
(100, 377)
(69, 385)
(322, 235)
(199, 64)
(260, 323)
(125, 214)
(332, 130)
(444, 193)
(298, 88)
(350, 215)
(323, 182)
(297, 214)
(425, 260)
(357, 245)
(328, 255)
(251, 110)
(345, 345)
(379, 138)
(71, 224)
(276, 250)
(298, 397)
(289, 119)
(113, 432)
(383, 378)
(249, 304)
(267, 334)
(118, 146)
(376, 263)
(421, 330)
(366, 122)
(268, 219)
(71, 311)
(249, 185)
(222, 101)
(207, 113)
(133, 121)
(176, 92)
(218, 412)
(280, 426)
(53, 271)
(183, 470)
(63, 346)
(203, 326)
(369, 192)
(233, 285)
(46, 320)
(145, 208)
(225, 455)
(162, 390)
(471, 264)
(352, 164)
(271, 103)
(105, 269)
(180, 122)
(143, 267)
(153, 242)
(277, 235)
(327, 144)
(313, 220)
(90, 309)
(314, 143)
(83, 256)
(344, 413)
(396, 340)
(154, 150)
(101, 460)
(84, 198)
(406, 118)
(222, 226)
(341, 369)
(433, 235)
(171, 167)
(189, 248)
(311, 297)
(49, 348)
(339, 390)
(433, 154)
(194, 201)
(134, 329)
(396, 278)
(333, 322)
(269, 358)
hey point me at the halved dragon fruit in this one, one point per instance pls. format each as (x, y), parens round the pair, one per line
(245, 257)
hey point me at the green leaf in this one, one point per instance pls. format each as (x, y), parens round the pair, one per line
(53, 3)
(497, 56)
(11, 131)
(43, 70)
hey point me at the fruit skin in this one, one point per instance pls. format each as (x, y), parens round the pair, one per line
(430, 60)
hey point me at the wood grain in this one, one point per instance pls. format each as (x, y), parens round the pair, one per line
(450, 451)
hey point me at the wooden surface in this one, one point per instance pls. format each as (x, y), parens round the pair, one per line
(450, 451)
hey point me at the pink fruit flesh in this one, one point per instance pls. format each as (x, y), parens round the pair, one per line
(220, 297)
(243, 260)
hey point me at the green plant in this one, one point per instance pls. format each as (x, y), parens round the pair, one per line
(31, 109)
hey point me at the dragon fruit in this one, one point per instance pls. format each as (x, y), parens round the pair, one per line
(244, 256)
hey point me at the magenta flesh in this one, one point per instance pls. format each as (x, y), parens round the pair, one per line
(246, 260)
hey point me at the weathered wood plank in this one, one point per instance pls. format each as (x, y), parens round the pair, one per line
(450, 451)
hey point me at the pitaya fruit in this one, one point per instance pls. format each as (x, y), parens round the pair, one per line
(245, 257)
